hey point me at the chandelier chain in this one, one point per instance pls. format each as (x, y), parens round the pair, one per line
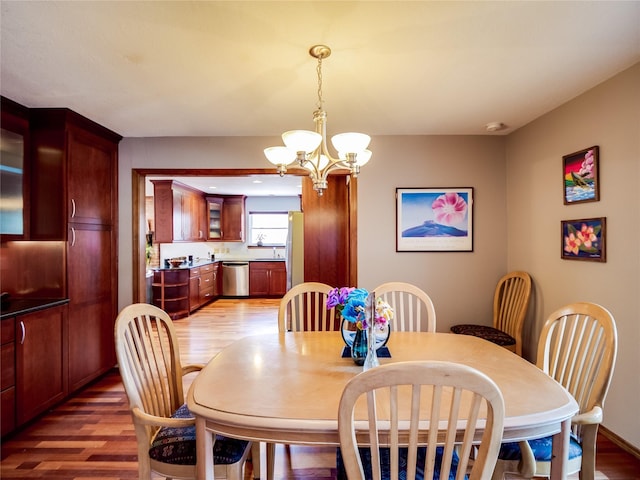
(319, 71)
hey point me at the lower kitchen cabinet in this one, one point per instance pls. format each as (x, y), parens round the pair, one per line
(8, 376)
(194, 288)
(267, 279)
(202, 285)
(41, 361)
(171, 291)
(208, 280)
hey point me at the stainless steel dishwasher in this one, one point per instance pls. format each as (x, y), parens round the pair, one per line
(235, 279)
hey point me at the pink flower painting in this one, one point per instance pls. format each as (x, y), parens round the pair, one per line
(449, 209)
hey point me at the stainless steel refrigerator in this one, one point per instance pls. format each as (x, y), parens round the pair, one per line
(295, 250)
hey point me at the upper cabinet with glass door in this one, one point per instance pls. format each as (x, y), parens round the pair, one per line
(14, 164)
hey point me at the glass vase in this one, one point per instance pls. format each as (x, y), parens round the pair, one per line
(359, 347)
(371, 359)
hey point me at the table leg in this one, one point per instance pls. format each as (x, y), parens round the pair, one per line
(560, 452)
(204, 451)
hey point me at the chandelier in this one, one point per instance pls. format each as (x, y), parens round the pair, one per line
(308, 149)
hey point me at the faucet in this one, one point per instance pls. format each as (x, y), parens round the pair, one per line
(274, 252)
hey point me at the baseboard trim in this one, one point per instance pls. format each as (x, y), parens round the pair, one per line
(622, 443)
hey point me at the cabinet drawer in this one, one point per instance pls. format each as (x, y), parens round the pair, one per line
(206, 294)
(206, 280)
(206, 269)
(194, 272)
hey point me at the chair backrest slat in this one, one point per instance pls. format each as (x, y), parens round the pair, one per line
(303, 308)
(510, 304)
(417, 404)
(578, 348)
(412, 307)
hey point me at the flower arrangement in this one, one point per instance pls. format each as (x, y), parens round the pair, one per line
(351, 303)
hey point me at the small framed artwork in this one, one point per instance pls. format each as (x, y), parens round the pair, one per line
(434, 219)
(584, 239)
(580, 176)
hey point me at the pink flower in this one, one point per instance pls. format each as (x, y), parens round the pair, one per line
(449, 209)
(586, 169)
(572, 244)
(586, 235)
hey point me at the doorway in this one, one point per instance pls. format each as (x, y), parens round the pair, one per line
(333, 262)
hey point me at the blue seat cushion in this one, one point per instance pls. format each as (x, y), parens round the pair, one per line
(541, 448)
(488, 333)
(177, 445)
(385, 462)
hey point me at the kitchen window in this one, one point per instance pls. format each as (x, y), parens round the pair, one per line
(268, 228)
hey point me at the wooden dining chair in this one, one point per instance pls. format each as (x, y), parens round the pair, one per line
(419, 419)
(577, 347)
(304, 308)
(412, 307)
(149, 362)
(510, 304)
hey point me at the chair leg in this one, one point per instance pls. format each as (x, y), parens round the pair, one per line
(255, 459)
(271, 460)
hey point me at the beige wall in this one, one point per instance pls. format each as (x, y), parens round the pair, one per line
(460, 284)
(608, 116)
(518, 207)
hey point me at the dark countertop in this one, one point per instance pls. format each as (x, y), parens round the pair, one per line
(21, 306)
(186, 266)
(263, 259)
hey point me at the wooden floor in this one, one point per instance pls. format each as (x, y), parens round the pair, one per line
(91, 435)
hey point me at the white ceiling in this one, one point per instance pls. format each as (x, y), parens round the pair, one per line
(211, 68)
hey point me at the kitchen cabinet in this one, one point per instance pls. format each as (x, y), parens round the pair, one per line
(226, 218)
(41, 361)
(74, 198)
(171, 291)
(214, 205)
(202, 281)
(7, 376)
(194, 289)
(180, 212)
(208, 279)
(267, 279)
(14, 176)
(92, 315)
(233, 219)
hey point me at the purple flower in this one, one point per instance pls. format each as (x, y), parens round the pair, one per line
(338, 297)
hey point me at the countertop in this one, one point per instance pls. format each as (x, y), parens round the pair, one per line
(21, 306)
(186, 266)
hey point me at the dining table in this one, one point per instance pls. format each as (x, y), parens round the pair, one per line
(285, 388)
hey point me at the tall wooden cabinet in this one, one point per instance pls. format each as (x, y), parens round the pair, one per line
(74, 198)
(180, 212)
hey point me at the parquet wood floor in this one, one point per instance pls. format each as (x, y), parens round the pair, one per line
(91, 436)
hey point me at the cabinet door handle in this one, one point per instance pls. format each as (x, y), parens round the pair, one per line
(73, 208)
(73, 237)
(24, 332)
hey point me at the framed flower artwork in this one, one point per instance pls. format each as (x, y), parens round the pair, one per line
(434, 219)
(584, 239)
(580, 176)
